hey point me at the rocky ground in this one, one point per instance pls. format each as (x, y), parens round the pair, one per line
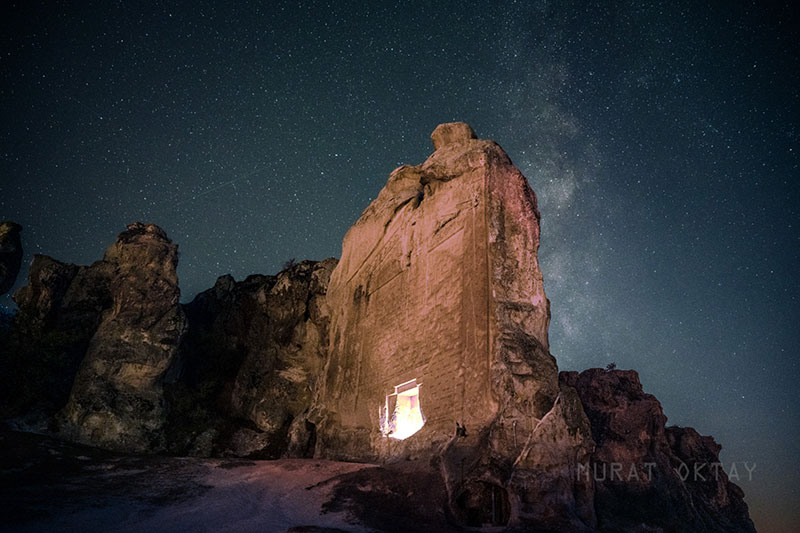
(51, 485)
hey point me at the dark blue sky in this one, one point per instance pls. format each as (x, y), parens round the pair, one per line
(662, 141)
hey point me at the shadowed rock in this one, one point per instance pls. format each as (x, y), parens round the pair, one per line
(10, 254)
(59, 311)
(250, 364)
(655, 487)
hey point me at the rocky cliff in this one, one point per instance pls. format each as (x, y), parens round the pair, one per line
(59, 311)
(10, 254)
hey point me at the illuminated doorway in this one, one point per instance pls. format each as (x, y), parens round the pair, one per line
(402, 415)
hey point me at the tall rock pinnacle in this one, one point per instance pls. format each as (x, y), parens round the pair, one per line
(117, 398)
(438, 340)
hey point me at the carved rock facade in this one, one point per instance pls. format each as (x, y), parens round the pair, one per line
(439, 292)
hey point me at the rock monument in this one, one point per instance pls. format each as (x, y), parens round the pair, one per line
(438, 341)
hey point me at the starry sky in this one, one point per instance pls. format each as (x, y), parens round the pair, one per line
(661, 139)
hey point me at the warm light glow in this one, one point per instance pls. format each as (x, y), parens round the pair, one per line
(402, 416)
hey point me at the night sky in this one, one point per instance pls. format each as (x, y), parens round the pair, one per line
(662, 141)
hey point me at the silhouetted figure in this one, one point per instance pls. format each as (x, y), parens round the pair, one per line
(461, 431)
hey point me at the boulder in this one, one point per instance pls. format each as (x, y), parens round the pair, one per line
(117, 399)
(10, 254)
(64, 296)
(452, 133)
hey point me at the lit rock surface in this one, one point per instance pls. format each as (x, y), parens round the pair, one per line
(439, 282)
(655, 487)
(452, 133)
(10, 254)
(117, 399)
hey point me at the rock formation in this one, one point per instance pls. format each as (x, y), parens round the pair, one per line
(117, 398)
(252, 356)
(649, 477)
(426, 345)
(59, 311)
(439, 321)
(10, 254)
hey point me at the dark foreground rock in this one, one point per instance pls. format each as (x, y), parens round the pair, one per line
(250, 363)
(59, 311)
(655, 485)
(10, 254)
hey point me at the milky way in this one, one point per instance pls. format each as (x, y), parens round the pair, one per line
(661, 141)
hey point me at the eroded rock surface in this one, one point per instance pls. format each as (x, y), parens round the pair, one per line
(251, 360)
(654, 486)
(59, 311)
(10, 254)
(117, 399)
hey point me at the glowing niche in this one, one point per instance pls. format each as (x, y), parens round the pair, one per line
(401, 415)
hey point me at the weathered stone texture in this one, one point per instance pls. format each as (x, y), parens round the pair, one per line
(59, 311)
(439, 281)
(420, 293)
(258, 346)
(117, 398)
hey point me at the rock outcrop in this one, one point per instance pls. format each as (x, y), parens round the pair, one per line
(10, 254)
(59, 311)
(250, 363)
(649, 477)
(439, 321)
(117, 398)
